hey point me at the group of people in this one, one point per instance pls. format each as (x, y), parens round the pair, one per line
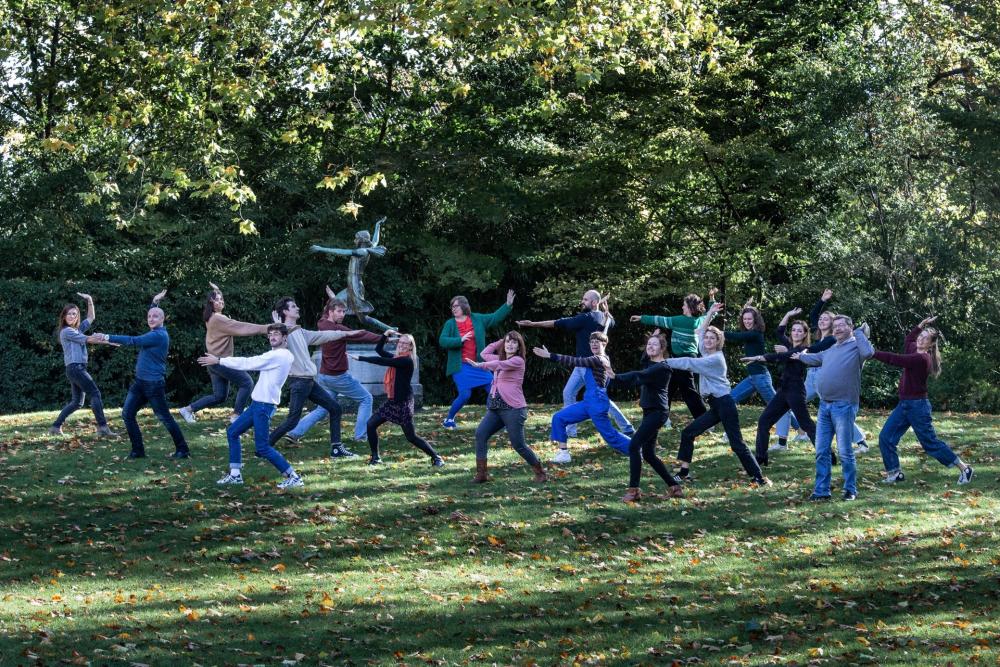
(822, 357)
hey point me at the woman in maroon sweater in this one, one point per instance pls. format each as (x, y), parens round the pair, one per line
(920, 359)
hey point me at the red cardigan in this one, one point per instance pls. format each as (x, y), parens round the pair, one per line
(916, 367)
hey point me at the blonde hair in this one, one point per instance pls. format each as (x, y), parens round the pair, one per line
(413, 344)
(718, 334)
(934, 352)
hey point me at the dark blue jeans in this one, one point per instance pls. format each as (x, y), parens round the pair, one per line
(222, 377)
(82, 386)
(257, 417)
(154, 393)
(301, 390)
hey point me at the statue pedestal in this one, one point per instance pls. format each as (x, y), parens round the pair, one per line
(370, 376)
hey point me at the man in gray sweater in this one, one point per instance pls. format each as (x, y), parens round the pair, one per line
(838, 383)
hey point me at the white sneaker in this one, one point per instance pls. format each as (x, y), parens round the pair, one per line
(861, 447)
(801, 437)
(188, 415)
(291, 482)
(231, 479)
(725, 439)
(894, 477)
(778, 447)
(667, 424)
(562, 456)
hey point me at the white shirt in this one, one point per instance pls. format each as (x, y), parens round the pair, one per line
(273, 366)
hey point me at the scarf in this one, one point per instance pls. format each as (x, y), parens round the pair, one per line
(389, 380)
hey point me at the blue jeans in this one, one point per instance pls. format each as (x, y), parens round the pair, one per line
(915, 413)
(82, 385)
(153, 392)
(835, 418)
(222, 377)
(339, 385)
(811, 393)
(466, 379)
(572, 389)
(596, 410)
(257, 416)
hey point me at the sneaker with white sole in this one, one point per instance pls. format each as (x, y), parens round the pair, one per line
(801, 437)
(449, 424)
(231, 479)
(894, 477)
(188, 415)
(861, 447)
(338, 451)
(562, 456)
(291, 482)
(290, 439)
(966, 475)
(778, 447)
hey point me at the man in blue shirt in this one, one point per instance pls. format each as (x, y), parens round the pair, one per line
(150, 383)
(592, 317)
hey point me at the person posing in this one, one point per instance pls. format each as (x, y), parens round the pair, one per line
(595, 403)
(593, 316)
(791, 394)
(714, 386)
(273, 366)
(464, 337)
(399, 408)
(821, 321)
(219, 333)
(150, 382)
(70, 332)
(654, 393)
(921, 358)
(683, 344)
(334, 375)
(751, 335)
(505, 406)
(838, 383)
(302, 384)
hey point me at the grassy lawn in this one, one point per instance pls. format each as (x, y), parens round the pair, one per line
(110, 561)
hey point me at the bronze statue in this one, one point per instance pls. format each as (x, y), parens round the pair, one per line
(354, 294)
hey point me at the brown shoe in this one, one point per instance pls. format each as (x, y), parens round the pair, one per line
(540, 476)
(632, 495)
(675, 491)
(481, 474)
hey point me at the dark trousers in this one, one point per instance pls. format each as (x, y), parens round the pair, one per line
(513, 420)
(222, 377)
(720, 410)
(301, 390)
(408, 432)
(154, 393)
(682, 382)
(643, 447)
(82, 385)
(794, 399)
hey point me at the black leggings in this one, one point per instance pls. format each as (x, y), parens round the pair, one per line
(793, 399)
(720, 409)
(644, 447)
(408, 432)
(683, 382)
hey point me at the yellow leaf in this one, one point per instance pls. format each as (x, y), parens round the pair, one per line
(280, 567)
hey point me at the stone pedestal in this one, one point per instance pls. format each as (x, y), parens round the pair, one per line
(371, 375)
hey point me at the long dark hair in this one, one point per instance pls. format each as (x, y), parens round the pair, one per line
(61, 322)
(522, 347)
(758, 319)
(209, 309)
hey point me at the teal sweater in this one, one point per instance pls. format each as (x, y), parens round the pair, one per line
(452, 341)
(682, 328)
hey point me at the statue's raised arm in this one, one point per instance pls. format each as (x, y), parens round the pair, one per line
(342, 252)
(365, 246)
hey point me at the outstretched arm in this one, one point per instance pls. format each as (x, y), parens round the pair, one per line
(341, 252)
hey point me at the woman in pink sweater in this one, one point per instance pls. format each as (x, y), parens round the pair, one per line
(505, 406)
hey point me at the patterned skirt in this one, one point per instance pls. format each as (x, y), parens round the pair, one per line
(397, 412)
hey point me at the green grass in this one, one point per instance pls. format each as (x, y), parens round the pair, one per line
(109, 561)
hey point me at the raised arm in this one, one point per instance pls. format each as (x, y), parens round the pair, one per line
(819, 307)
(498, 316)
(864, 345)
(91, 312)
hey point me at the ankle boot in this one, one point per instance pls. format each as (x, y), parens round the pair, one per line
(632, 495)
(481, 474)
(540, 475)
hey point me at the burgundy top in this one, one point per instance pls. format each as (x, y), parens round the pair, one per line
(335, 352)
(508, 375)
(916, 367)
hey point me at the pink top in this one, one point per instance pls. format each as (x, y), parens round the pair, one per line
(508, 375)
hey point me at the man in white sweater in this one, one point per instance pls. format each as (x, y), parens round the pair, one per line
(302, 385)
(274, 366)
